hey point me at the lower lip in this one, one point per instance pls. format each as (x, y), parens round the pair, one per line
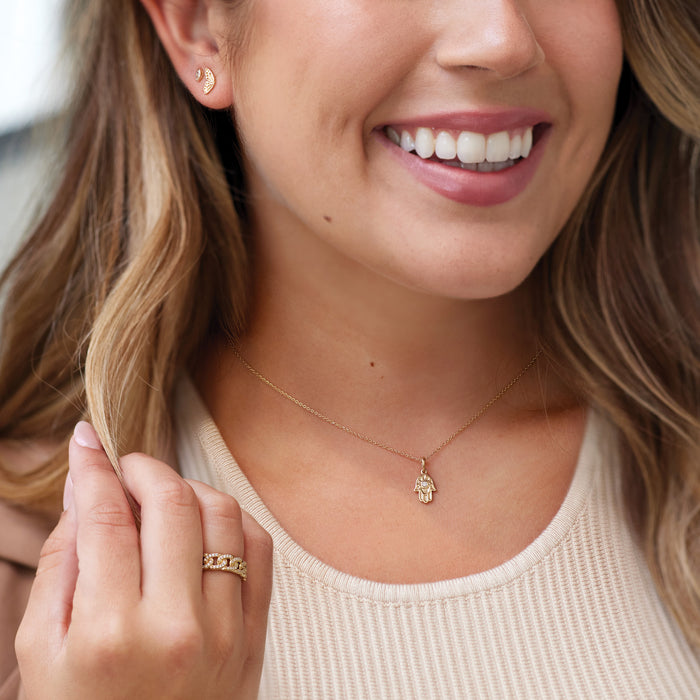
(467, 186)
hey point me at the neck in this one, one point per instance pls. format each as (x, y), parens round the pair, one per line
(345, 338)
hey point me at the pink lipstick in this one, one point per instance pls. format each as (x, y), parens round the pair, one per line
(475, 158)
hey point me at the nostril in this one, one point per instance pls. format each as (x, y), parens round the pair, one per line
(499, 41)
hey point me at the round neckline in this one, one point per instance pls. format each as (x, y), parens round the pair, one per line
(229, 477)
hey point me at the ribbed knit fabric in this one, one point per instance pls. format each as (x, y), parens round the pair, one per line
(575, 615)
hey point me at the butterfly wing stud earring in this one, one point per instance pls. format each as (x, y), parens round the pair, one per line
(209, 79)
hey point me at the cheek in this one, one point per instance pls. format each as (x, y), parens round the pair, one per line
(584, 50)
(311, 75)
(321, 59)
(584, 44)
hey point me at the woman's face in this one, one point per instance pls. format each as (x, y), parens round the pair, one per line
(333, 99)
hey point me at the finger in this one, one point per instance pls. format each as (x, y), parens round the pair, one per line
(258, 588)
(48, 612)
(171, 533)
(107, 540)
(222, 532)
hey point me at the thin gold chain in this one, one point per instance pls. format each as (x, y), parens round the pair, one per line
(366, 438)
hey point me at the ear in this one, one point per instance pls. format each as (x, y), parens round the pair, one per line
(188, 32)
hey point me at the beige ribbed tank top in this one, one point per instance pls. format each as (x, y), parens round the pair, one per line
(574, 615)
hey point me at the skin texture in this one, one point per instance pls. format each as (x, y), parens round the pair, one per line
(403, 312)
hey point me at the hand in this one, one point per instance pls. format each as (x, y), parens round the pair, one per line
(115, 613)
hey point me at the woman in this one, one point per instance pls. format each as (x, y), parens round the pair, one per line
(436, 291)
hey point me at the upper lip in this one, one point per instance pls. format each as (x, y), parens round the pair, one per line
(478, 121)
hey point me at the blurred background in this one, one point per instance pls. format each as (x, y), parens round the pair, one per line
(32, 88)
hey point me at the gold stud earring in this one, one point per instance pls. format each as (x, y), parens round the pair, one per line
(209, 79)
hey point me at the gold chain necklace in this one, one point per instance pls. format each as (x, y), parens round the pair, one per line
(425, 486)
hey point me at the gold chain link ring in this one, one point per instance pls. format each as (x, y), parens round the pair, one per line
(213, 561)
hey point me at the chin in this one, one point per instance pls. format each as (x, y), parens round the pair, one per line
(469, 279)
(467, 285)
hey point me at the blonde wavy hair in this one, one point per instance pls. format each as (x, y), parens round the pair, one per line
(140, 255)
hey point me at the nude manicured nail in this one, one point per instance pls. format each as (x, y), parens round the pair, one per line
(86, 436)
(68, 493)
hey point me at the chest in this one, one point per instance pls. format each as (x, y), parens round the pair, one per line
(365, 519)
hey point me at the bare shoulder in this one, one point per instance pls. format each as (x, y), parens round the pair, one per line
(23, 532)
(15, 584)
(23, 457)
(23, 529)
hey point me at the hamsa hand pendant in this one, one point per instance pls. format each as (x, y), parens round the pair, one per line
(425, 486)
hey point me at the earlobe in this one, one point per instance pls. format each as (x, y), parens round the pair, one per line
(190, 42)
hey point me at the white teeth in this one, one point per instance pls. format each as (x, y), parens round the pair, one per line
(516, 147)
(393, 135)
(425, 142)
(471, 147)
(445, 146)
(407, 142)
(497, 147)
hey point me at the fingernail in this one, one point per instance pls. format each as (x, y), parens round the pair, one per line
(68, 493)
(86, 436)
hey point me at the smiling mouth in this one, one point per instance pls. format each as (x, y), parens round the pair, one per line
(469, 150)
